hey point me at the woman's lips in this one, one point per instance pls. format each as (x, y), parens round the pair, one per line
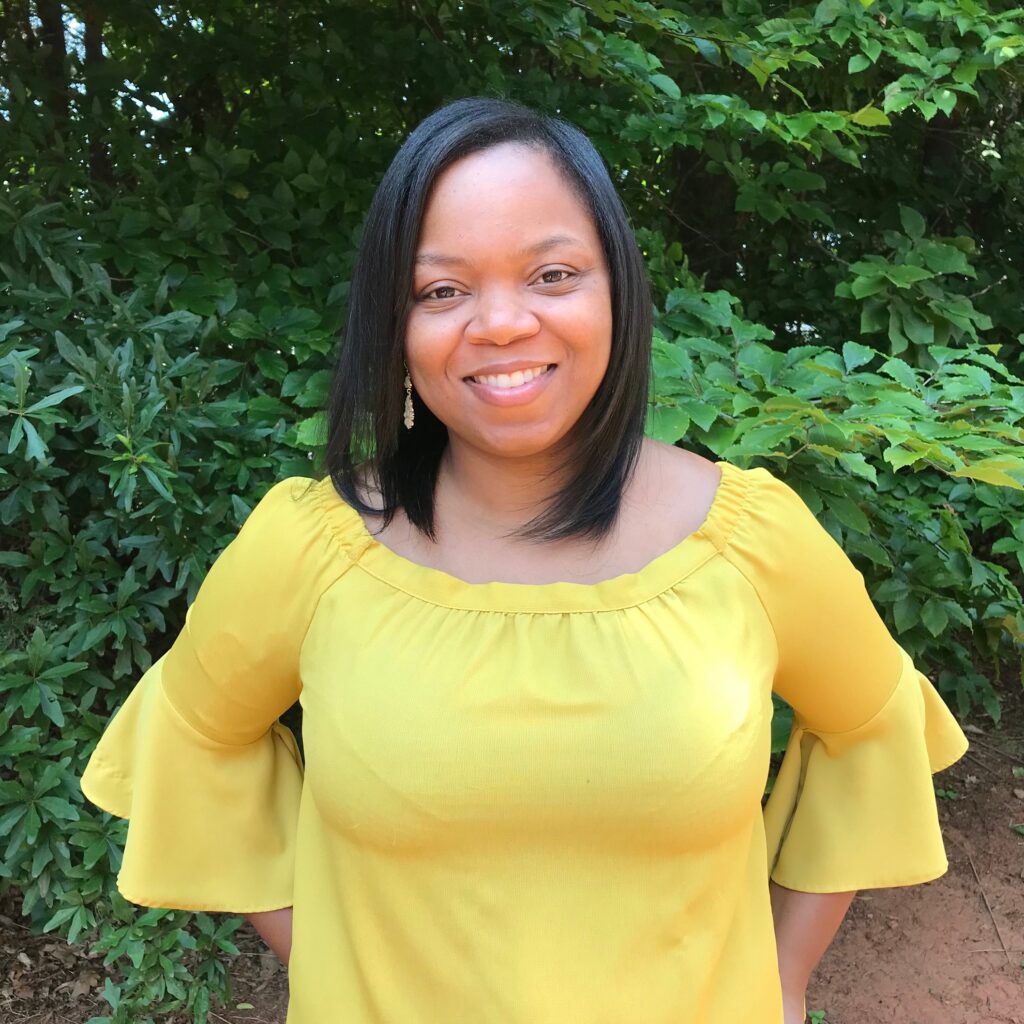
(513, 396)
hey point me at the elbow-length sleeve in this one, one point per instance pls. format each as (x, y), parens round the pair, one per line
(853, 805)
(195, 758)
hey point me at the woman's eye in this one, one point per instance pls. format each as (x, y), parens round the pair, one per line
(433, 293)
(447, 291)
(546, 280)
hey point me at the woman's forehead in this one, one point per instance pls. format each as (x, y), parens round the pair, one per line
(545, 245)
(511, 191)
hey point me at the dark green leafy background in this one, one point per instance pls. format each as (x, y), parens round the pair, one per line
(828, 199)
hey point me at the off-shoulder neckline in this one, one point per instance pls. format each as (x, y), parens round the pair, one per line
(436, 586)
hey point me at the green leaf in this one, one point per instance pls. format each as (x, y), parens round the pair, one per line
(897, 100)
(666, 423)
(306, 183)
(771, 209)
(872, 47)
(945, 100)
(916, 328)
(10, 818)
(708, 50)
(945, 259)
(56, 398)
(60, 276)
(870, 117)
(855, 355)
(934, 616)
(827, 11)
(996, 471)
(58, 808)
(858, 62)
(189, 219)
(801, 125)
(848, 513)
(50, 705)
(913, 223)
(9, 328)
(905, 613)
(901, 372)
(858, 465)
(862, 287)
(979, 379)
(898, 341)
(802, 180)
(903, 275)
(874, 316)
(761, 360)
(34, 446)
(666, 85)
(272, 364)
(311, 432)
(62, 915)
(757, 119)
(157, 484)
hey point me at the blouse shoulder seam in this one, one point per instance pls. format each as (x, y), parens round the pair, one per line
(726, 552)
(335, 544)
(344, 543)
(760, 600)
(722, 536)
(768, 478)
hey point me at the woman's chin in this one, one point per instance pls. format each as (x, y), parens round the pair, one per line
(519, 441)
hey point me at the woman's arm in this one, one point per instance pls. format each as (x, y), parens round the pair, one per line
(805, 924)
(275, 926)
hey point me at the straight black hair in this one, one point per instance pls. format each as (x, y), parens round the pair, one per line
(364, 415)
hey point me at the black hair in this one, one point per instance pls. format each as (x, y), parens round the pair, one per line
(364, 413)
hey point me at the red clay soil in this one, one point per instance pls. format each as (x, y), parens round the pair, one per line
(948, 952)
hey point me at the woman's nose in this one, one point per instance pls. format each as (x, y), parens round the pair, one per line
(502, 315)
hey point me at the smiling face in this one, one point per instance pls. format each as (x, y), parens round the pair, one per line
(510, 275)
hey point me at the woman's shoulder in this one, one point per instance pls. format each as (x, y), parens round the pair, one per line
(756, 510)
(683, 477)
(674, 493)
(301, 522)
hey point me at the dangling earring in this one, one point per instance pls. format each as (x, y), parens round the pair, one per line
(408, 400)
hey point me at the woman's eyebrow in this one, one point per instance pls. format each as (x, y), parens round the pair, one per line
(434, 259)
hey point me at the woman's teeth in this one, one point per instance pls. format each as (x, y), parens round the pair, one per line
(511, 380)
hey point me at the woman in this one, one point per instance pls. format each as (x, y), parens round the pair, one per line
(535, 653)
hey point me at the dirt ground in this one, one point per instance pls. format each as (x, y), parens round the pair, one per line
(948, 952)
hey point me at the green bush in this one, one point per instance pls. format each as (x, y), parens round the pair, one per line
(826, 201)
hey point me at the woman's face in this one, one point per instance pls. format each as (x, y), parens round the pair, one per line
(509, 275)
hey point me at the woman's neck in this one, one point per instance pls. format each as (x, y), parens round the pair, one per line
(492, 493)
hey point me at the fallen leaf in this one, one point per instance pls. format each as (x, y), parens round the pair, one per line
(84, 984)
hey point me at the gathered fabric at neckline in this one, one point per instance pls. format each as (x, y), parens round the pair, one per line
(623, 591)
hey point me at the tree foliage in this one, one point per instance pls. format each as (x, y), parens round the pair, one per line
(828, 199)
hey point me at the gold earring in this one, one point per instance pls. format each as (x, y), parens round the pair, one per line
(408, 400)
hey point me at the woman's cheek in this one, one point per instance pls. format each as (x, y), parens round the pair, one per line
(428, 342)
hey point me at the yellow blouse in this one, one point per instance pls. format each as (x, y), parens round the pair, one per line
(526, 804)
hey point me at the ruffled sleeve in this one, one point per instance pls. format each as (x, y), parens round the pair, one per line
(853, 805)
(195, 758)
